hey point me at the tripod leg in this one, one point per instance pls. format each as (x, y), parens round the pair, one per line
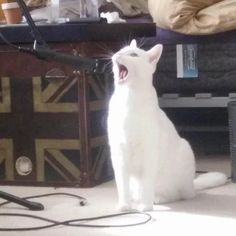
(34, 206)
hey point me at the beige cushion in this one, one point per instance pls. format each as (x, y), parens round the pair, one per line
(131, 7)
(194, 16)
(36, 3)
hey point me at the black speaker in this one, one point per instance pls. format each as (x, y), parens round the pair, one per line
(232, 133)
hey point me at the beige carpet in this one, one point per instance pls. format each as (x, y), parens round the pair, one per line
(212, 212)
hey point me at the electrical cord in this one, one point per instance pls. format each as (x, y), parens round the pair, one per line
(81, 199)
(71, 223)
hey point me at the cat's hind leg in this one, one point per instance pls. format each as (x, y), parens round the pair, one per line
(187, 192)
(167, 193)
(163, 198)
(182, 193)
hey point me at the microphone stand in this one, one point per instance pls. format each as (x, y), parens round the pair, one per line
(42, 51)
(33, 206)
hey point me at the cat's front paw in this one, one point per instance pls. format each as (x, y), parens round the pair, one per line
(160, 200)
(123, 207)
(145, 207)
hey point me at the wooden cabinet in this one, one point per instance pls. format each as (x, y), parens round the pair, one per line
(52, 121)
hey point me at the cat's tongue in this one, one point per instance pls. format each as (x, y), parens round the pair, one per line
(123, 72)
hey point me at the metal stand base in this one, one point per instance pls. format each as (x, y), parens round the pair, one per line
(34, 206)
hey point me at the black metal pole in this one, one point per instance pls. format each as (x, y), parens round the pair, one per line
(232, 133)
(34, 30)
(34, 206)
(43, 52)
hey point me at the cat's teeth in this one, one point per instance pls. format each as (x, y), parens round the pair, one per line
(123, 72)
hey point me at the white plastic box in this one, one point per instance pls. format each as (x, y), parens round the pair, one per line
(74, 9)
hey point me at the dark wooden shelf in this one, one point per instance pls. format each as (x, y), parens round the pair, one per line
(79, 32)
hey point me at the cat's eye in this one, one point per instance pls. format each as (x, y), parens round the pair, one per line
(133, 54)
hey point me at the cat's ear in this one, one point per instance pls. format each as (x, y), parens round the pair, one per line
(133, 44)
(154, 54)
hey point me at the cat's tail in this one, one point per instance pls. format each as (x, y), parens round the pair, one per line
(209, 180)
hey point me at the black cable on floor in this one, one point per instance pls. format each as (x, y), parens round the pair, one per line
(82, 200)
(71, 223)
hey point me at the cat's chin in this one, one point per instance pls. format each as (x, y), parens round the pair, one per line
(121, 81)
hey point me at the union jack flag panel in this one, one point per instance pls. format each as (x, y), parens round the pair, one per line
(43, 138)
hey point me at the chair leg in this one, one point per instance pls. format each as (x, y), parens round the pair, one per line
(232, 133)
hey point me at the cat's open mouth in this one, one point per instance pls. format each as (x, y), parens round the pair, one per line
(123, 72)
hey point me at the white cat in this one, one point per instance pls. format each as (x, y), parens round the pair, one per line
(152, 163)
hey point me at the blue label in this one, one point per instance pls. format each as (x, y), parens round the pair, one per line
(187, 66)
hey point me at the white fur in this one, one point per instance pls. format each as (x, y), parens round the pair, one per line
(152, 163)
(209, 180)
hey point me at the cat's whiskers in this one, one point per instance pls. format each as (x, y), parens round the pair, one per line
(141, 42)
(107, 51)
